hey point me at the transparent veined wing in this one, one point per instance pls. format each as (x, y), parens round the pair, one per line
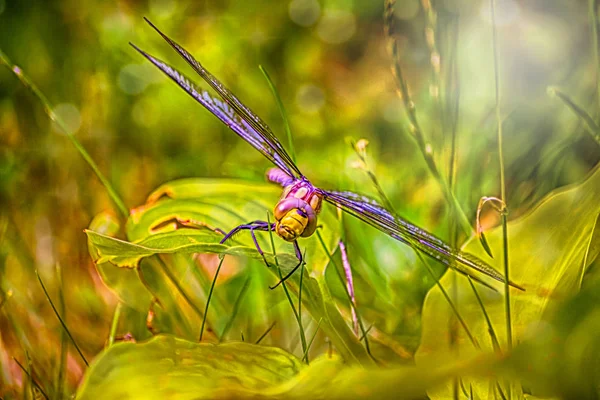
(371, 212)
(257, 126)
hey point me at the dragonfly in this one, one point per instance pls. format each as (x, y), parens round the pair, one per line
(297, 211)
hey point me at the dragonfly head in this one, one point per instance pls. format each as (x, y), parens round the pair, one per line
(294, 218)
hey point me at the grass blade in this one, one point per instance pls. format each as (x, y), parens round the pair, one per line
(63, 337)
(491, 330)
(415, 127)
(114, 324)
(28, 83)
(236, 308)
(60, 319)
(286, 123)
(287, 294)
(594, 240)
(339, 274)
(305, 355)
(30, 377)
(212, 287)
(450, 302)
(171, 276)
(502, 184)
(266, 333)
(592, 128)
(593, 15)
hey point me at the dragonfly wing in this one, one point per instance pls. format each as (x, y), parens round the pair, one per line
(259, 127)
(371, 212)
(221, 110)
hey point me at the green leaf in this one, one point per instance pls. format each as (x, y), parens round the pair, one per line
(546, 252)
(125, 283)
(570, 338)
(170, 368)
(158, 227)
(126, 254)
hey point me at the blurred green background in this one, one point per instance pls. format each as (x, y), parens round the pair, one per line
(330, 63)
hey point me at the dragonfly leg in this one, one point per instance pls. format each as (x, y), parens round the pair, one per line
(262, 254)
(261, 225)
(300, 261)
(252, 226)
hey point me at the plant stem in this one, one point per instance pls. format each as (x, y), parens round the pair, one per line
(236, 307)
(305, 355)
(502, 178)
(450, 302)
(265, 333)
(287, 294)
(417, 133)
(212, 287)
(114, 324)
(48, 109)
(286, 122)
(60, 319)
(339, 275)
(593, 14)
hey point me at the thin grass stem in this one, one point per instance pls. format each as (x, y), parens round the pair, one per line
(285, 289)
(210, 292)
(30, 382)
(179, 288)
(366, 333)
(450, 302)
(305, 355)
(63, 337)
(269, 329)
(341, 278)
(48, 109)
(593, 15)
(415, 128)
(60, 319)
(505, 259)
(590, 125)
(286, 122)
(300, 293)
(236, 308)
(30, 377)
(114, 324)
(491, 331)
(595, 231)
(500, 391)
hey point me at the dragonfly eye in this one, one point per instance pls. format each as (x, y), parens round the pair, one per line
(296, 215)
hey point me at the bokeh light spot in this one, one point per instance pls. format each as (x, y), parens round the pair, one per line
(336, 26)
(134, 78)
(304, 12)
(69, 114)
(145, 113)
(162, 8)
(310, 98)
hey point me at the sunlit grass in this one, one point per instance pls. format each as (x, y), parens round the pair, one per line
(432, 156)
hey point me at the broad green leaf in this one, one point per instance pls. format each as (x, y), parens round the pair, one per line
(158, 227)
(125, 283)
(169, 368)
(127, 254)
(562, 360)
(227, 200)
(546, 252)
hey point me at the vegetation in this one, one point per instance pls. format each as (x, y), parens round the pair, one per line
(480, 123)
